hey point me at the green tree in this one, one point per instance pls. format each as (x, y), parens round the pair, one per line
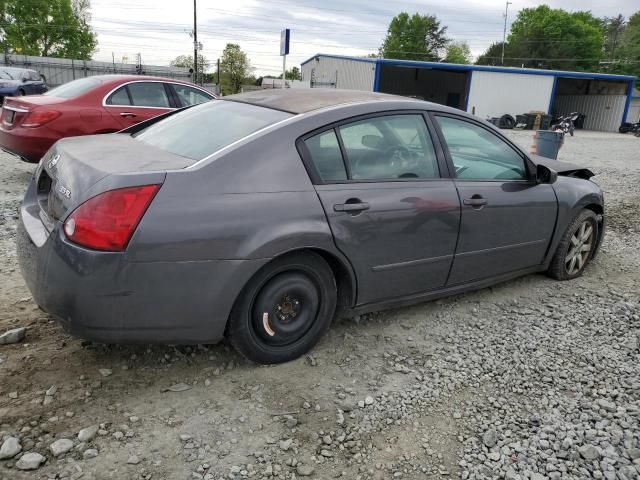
(458, 52)
(234, 68)
(57, 28)
(614, 28)
(291, 74)
(415, 37)
(492, 55)
(186, 61)
(626, 58)
(543, 37)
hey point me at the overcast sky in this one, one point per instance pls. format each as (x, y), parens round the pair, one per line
(159, 29)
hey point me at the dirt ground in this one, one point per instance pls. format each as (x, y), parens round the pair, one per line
(479, 385)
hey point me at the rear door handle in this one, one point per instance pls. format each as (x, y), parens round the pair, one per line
(350, 207)
(128, 114)
(475, 201)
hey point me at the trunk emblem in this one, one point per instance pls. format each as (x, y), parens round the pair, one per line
(64, 191)
(54, 161)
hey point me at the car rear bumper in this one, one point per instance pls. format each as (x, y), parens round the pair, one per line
(28, 144)
(104, 298)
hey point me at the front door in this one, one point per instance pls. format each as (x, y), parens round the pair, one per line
(391, 213)
(507, 218)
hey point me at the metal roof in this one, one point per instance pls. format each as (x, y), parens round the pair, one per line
(302, 100)
(482, 68)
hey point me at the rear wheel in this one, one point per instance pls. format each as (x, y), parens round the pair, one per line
(284, 310)
(21, 93)
(576, 247)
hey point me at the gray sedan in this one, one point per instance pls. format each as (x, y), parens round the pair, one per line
(262, 216)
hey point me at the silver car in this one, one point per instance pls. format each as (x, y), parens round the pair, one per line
(262, 216)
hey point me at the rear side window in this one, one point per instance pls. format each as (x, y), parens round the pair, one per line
(190, 96)
(326, 156)
(74, 88)
(199, 131)
(119, 97)
(149, 94)
(390, 147)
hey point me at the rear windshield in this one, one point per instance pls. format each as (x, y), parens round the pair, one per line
(199, 131)
(74, 88)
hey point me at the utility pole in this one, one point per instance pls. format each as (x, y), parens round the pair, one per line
(195, 43)
(219, 87)
(504, 32)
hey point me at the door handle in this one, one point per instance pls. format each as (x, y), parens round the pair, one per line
(351, 207)
(475, 201)
(128, 114)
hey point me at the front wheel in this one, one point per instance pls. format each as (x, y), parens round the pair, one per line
(284, 310)
(576, 247)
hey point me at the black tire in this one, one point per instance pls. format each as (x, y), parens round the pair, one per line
(297, 294)
(558, 267)
(21, 93)
(625, 128)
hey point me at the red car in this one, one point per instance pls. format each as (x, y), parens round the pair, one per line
(29, 126)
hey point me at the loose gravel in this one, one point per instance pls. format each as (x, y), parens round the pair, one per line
(526, 380)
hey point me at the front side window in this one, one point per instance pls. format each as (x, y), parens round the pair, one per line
(326, 156)
(199, 131)
(149, 94)
(35, 76)
(478, 154)
(389, 147)
(190, 96)
(119, 97)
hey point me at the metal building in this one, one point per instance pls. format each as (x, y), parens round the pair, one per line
(484, 91)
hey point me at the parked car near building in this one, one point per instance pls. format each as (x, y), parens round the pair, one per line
(17, 82)
(259, 216)
(29, 126)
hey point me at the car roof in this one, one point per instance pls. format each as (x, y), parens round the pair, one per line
(302, 100)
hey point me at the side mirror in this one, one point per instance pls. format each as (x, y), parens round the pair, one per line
(545, 175)
(24, 79)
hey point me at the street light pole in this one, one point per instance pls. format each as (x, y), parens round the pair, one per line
(195, 43)
(504, 32)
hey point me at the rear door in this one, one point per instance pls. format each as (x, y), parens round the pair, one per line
(507, 218)
(138, 101)
(392, 212)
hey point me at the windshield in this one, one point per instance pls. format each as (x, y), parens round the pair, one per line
(10, 73)
(199, 131)
(74, 88)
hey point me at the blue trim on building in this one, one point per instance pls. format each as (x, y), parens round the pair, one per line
(480, 68)
(468, 91)
(553, 94)
(628, 102)
(376, 77)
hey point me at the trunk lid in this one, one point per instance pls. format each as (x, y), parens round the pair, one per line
(68, 173)
(16, 109)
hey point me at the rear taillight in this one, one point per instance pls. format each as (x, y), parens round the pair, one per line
(107, 221)
(40, 117)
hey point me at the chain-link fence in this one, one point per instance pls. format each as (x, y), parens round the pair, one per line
(57, 71)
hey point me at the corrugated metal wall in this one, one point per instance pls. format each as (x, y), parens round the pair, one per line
(339, 73)
(634, 111)
(61, 70)
(602, 112)
(493, 94)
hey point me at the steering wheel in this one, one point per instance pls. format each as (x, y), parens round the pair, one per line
(398, 152)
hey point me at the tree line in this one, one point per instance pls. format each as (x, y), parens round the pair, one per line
(540, 37)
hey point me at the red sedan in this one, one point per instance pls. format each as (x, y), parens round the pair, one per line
(29, 126)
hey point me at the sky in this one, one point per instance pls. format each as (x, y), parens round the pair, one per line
(160, 29)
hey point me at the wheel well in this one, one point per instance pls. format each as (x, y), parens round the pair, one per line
(344, 281)
(594, 207)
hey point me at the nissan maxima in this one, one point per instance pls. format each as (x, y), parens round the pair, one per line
(260, 217)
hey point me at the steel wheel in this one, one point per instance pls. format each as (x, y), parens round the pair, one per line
(284, 309)
(580, 247)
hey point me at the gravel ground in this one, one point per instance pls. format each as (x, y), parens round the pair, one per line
(531, 379)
